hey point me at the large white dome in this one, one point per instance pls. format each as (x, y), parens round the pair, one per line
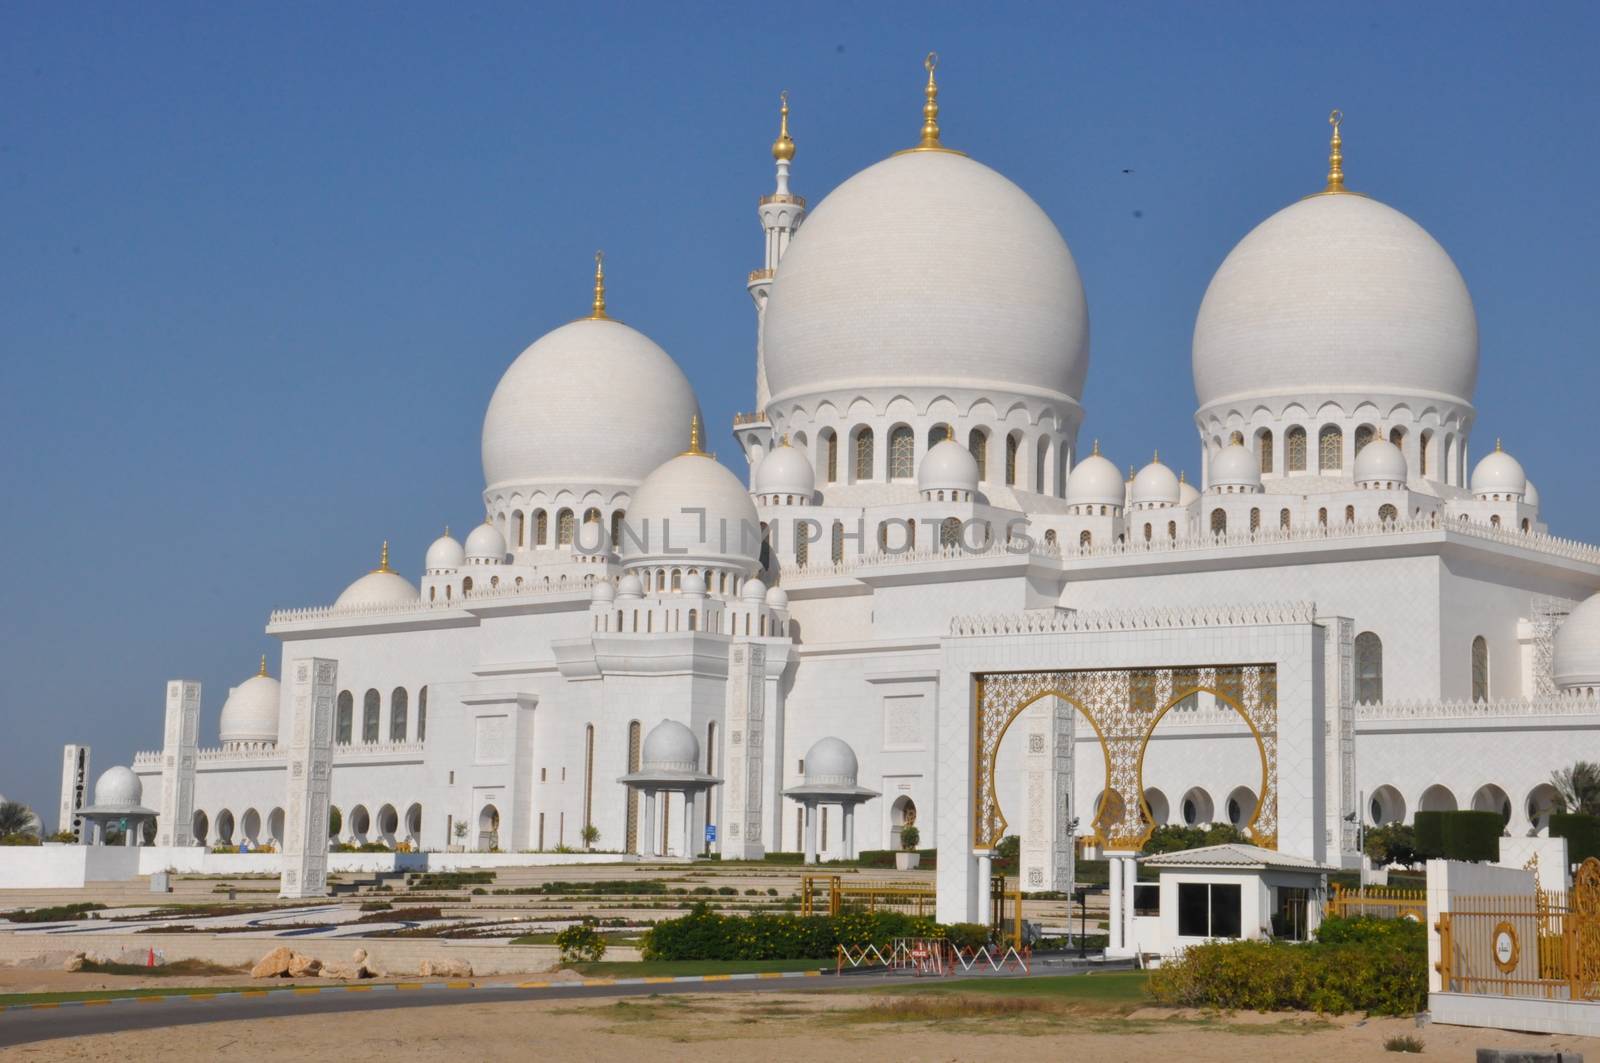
(1336, 294)
(692, 509)
(1577, 648)
(593, 403)
(118, 787)
(251, 712)
(927, 270)
(831, 762)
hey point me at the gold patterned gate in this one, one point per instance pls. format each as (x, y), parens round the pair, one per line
(1543, 944)
(1123, 705)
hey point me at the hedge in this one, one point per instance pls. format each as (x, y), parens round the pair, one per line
(1582, 832)
(707, 935)
(1379, 966)
(1471, 836)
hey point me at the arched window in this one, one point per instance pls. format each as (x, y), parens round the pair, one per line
(1397, 436)
(1236, 437)
(1283, 519)
(1042, 458)
(677, 579)
(837, 543)
(1369, 668)
(1422, 452)
(1255, 520)
(950, 532)
(1050, 537)
(832, 444)
(431, 592)
(630, 841)
(397, 714)
(1388, 514)
(802, 545)
(466, 585)
(342, 718)
(1172, 531)
(1330, 448)
(422, 711)
(616, 530)
(591, 516)
(1494, 520)
(864, 454)
(938, 434)
(518, 528)
(694, 620)
(1147, 531)
(564, 528)
(1480, 669)
(978, 446)
(588, 780)
(902, 442)
(1349, 514)
(1294, 448)
(371, 705)
(1264, 449)
(1364, 435)
(1219, 522)
(1322, 517)
(1085, 540)
(1013, 442)
(541, 528)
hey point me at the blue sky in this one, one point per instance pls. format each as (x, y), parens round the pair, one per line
(261, 265)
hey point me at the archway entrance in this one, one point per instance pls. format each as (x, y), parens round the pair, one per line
(488, 828)
(902, 814)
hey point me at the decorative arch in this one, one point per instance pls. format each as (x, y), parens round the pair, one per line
(1123, 706)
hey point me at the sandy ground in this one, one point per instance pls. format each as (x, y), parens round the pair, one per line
(780, 1027)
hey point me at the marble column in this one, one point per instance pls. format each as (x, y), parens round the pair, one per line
(1114, 902)
(985, 895)
(650, 840)
(849, 832)
(688, 824)
(811, 832)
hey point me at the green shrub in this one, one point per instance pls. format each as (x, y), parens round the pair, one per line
(56, 914)
(1174, 838)
(707, 935)
(1392, 843)
(1375, 965)
(911, 836)
(376, 906)
(968, 935)
(1582, 832)
(20, 839)
(581, 943)
(1473, 836)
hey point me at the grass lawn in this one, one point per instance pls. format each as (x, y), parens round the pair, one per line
(662, 968)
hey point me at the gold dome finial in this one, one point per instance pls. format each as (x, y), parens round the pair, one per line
(1182, 476)
(1130, 472)
(263, 665)
(1335, 154)
(1096, 447)
(447, 531)
(930, 109)
(1497, 444)
(383, 559)
(1155, 457)
(783, 147)
(599, 312)
(784, 441)
(694, 436)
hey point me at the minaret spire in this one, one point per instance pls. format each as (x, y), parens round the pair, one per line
(783, 147)
(695, 446)
(930, 109)
(599, 312)
(1335, 153)
(263, 665)
(383, 559)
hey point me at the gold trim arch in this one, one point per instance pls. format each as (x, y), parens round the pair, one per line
(1123, 705)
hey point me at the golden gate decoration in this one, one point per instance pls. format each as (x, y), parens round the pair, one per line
(1123, 705)
(1552, 941)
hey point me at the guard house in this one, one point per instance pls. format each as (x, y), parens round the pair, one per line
(1231, 891)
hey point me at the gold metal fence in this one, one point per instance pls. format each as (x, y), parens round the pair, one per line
(1387, 902)
(829, 895)
(1544, 945)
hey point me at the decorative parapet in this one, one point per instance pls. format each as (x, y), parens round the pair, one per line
(1045, 621)
(272, 754)
(754, 417)
(1556, 705)
(1019, 548)
(783, 197)
(759, 275)
(505, 591)
(147, 758)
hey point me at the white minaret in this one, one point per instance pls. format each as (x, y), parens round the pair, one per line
(781, 214)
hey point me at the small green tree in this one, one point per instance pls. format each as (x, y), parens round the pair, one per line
(1392, 843)
(335, 821)
(1010, 848)
(17, 818)
(909, 837)
(590, 834)
(581, 943)
(1578, 788)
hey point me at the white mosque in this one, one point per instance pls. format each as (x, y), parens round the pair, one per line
(635, 651)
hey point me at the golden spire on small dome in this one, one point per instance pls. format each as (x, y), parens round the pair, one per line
(930, 113)
(1155, 457)
(383, 559)
(1097, 447)
(447, 531)
(263, 671)
(1497, 448)
(1335, 154)
(599, 312)
(694, 437)
(783, 147)
(1182, 476)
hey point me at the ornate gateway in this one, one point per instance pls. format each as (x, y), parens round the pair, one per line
(1123, 705)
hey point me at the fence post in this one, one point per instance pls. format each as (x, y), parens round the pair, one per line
(1443, 966)
(833, 895)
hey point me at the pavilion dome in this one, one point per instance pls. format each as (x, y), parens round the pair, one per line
(1530, 494)
(1380, 461)
(1155, 484)
(754, 591)
(547, 421)
(927, 270)
(444, 553)
(693, 508)
(1336, 294)
(1235, 466)
(670, 746)
(948, 466)
(251, 712)
(786, 471)
(1576, 661)
(1095, 481)
(485, 543)
(1498, 473)
(118, 787)
(831, 762)
(382, 586)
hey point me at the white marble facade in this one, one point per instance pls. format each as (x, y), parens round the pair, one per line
(615, 583)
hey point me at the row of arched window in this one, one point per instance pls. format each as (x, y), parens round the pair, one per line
(531, 528)
(629, 622)
(1388, 514)
(1330, 447)
(1369, 668)
(371, 717)
(902, 456)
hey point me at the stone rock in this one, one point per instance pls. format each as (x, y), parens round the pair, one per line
(360, 957)
(274, 964)
(303, 966)
(337, 970)
(74, 962)
(445, 969)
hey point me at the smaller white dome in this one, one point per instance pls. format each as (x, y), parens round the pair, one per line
(786, 471)
(693, 509)
(754, 590)
(670, 746)
(382, 586)
(1235, 466)
(831, 762)
(118, 787)
(1499, 474)
(251, 712)
(485, 543)
(604, 591)
(778, 598)
(1155, 484)
(1530, 494)
(1577, 647)
(1186, 492)
(948, 466)
(1095, 481)
(1380, 461)
(444, 553)
(694, 583)
(629, 586)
